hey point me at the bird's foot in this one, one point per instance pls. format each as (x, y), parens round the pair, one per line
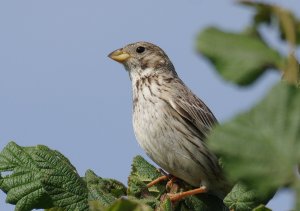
(165, 176)
(178, 196)
(171, 182)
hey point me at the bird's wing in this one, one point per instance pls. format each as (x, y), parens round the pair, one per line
(194, 112)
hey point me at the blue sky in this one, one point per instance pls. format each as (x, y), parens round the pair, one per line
(58, 88)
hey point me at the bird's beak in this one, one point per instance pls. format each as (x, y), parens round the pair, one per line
(119, 55)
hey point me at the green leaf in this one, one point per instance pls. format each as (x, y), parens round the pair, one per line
(165, 205)
(240, 198)
(39, 177)
(239, 58)
(203, 202)
(105, 191)
(123, 204)
(261, 147)
(142, 173)
(263, 11)
(95, 205)
(144, 170)
(62, 182)
(23, 185)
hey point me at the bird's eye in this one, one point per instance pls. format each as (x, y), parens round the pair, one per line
(140, 49)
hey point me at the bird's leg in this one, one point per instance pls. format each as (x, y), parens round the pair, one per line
(165, 176)
(157, 180)
(178, 196)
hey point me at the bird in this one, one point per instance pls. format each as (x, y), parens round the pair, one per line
(170, 122)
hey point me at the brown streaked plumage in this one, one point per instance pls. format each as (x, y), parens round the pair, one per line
(170, 122)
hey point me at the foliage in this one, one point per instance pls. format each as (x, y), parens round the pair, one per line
(40, 178)
(249, 55)
(260, 148)
(242, 57)
(241, 198)
(274, 147)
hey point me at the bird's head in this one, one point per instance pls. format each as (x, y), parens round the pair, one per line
(143, 58)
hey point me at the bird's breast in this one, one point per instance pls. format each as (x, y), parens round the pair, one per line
(148, 113)
(150, 119)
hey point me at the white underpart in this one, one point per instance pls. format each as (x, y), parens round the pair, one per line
(161, 142)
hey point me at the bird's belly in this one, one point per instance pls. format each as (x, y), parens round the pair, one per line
(161, 136)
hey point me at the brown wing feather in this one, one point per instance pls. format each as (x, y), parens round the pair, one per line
(192, 109)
